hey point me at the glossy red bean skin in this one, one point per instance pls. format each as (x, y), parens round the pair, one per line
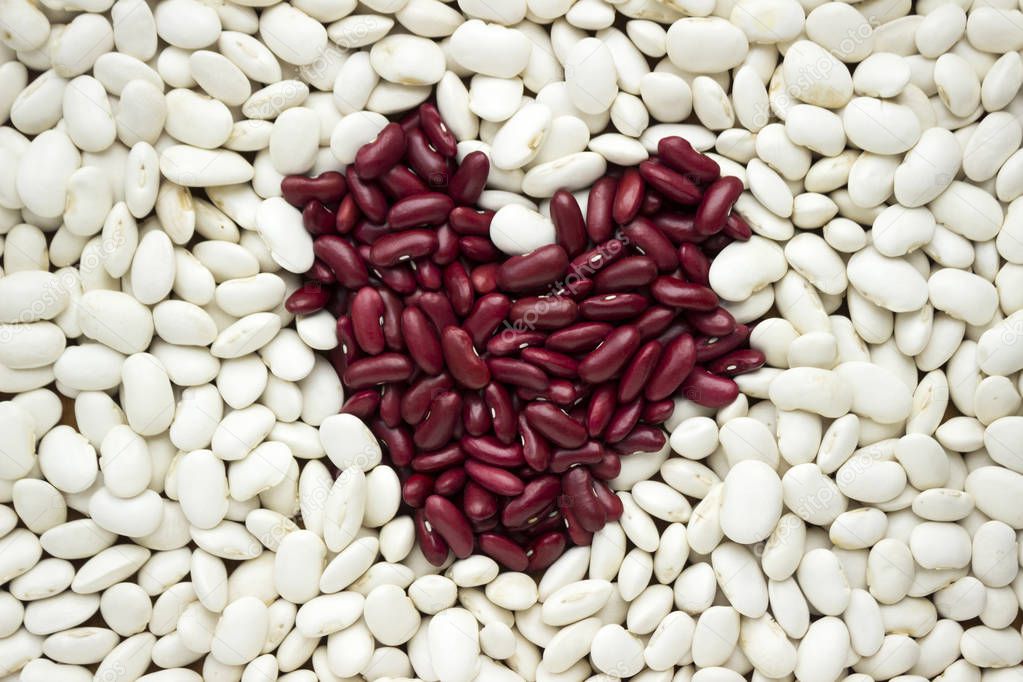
(581, 337)
(458, 288)
(718, 200)
(379, 156)
(695, 265)
(416, 489)
(569, 225)
(564, 459)
(680, 228)
(587, 264)
(518, 373)
(486, 316)
(611, 503)
(535, 450)
(613, 307)
(508, 341)
(639, 371)
(602, 405)
(321, 272)
(575, 531)
(307, 300)
(345, 262)
(502, 411)
(347, 344)
(427, 162)
(425, 348)
(449, 521)
(738, 362)
(400, 182)
(367, 314)
(438, 460)
(434, 549)
(578, 486)
(489, 450)
(495, 479)
(737, 228)
(676, 362)
(447, 246)
(484, 278)
(628, 273)
(711, 347)
(428, 274)
(478, 249)
(432, 125)
(439, 424)
(623, 421)
(629, 197)
(538, 494)
(658, 412)
(437, 308)
(475, 419)
(450, 483)
(371, 201)
(716, 322)
(554, 425)
(675, 186)
(478, 502)
(610, 357)
(677, 153)
(533, 270)
(416, 400)
(709, 390)
(599, 224)
(469, 181)
(362, 404)
(368, 232)
(318, 219)
(608, 467)
(654, 321)
(397, 440)
(390, 404)
(431, 208)
(348, 215)
(648, 240)
(465, 365)
(504, 551)
(672, 291)
(552, 363)
(381, 369)
(543, 312)
(470, 222)
(544, 551)
(393, 248)
(327, 188)
(642, 439)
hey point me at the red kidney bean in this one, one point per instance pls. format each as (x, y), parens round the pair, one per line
(579, 338)
(486, 525)
(307, 299)
(470, 222)
(538, 494)
(544, 551)
(602, 405)
(486, 316)
(677, 293)
(426, 161)
(381, 369)
(572, 287)
(425, 346)
(609, 466)
(623, 421)
(673, 185)
(478, 249)
(680, 228)
(652, 203)
(607, 359)
(639, 371)
(518, 373)
(648, 240)
(327, 188)
(367, 233)
(628, 273)
(552, 362)
(599, 205)
(642, 439)
(613, 307)
(458, 288)
(469, 181)
(400, 182)
(588, 263)
(318, 219)
(475, 417)
(378, 156)
(438, 460)
(367, 319)
(393, 248)
(553, 424)
(543, 312)
(416, 400)
(390, 404)
(711, 347)
(362, 404)
(449, 521)
(489, 450)
(410, 121)
(478, 502)
(321, 272)
(564, 459)
(654, 321)
(677, 153)
(494, 479)
(344, 261)
(484, 278)
(578, 486)
(611, 503)
(447, 246)
(370, 200)
(695, 265)
(676, 362)
(737, 228)
(504, 551)
(718, 200)
(428, 274)
(434, 549)
(416, 489)
(460, 356)
(502, 411)
(709, 390)
(716, 322)
(431, 208)
(535, 450)
(392, 320)
(739, 362)
(534, 270)
(438, 426)
(450, 483)
(347, 344)
(575, 531)
(629, 197)
(442, 139)
(658, 412)
(397, 440)
(509, 341)
(399, 279)
(569, 226)
(436, 307)
(348, 215)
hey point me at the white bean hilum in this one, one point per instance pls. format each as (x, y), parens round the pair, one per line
(854, 515)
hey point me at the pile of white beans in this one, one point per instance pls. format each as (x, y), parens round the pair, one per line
(168, 514)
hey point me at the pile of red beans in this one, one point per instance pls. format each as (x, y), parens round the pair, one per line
(505, 389)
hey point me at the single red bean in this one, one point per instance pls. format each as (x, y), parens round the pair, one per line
(447, 246)
(397, 441)
(538, 494)
(654, 321)
(470, 222)
(658, 412)
(318, 219)
(344, 261)
(475, 416)
(367, 233)
(410, 121)
(434, 549)
(425, 342)
(321, 272)
(484, 278)
(575, 531)
(416, 489)
(711, 347)
(450, 483)
(494, 479)
(438, 426)
(461, 358)
(486, 525)
(578, 486)
(458, 288)
(428, 274)
(678, 227)
(362, 404)
(518, 373)
(486, 316)
(569, 226)
(346, 338)
(652, 203)
(612, 503)
(400, 182)
(639, 371)
(442, 139)
(629, 197)
(307, 299)
(738, 362)
(535, 450)
(381, 369)
(327, 188)
(533, 270)
(648, 240)
(673, 185)
(551, 362)
(672, 291)
(489, 450)
(677, 153)
(509, 341)
(560, 392)
(607, 359)
(348, 215)
(623, 421)
(695, 264)
(564, 459)
(602, 405)
(450, 522)
(399, 279)
(587, 264)
(552, 423)
(416, 400)
(613, 307)
(642, 439)
(544, 551)
(390, 404)
(371, 201)
(716, 322)
(675, 364)
(479, 249)
(438, 460)
(628, 273)
(737, 228)
(502, 411)
(367, 317)
(378, 156)
(543, 312)
(579, 338)
(709, 390)
(718, 200)
(436, 307)
(608, 467)
(392, 320)
(393, 248)
(572, 287)
(469, 181)
(478, 502)
(599, 205)
(431, 208)
(504, 551)
(426, 161)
